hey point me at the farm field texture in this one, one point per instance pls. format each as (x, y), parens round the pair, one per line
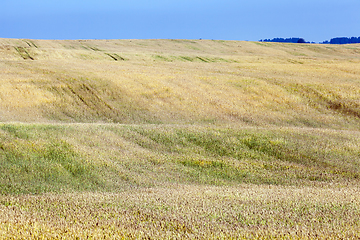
(174, 139)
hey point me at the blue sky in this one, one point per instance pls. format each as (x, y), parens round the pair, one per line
(314, 20)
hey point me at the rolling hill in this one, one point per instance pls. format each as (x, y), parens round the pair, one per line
(182, 138)
(179, 81)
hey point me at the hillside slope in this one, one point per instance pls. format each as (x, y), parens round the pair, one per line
(180, 81)
(179, 139)
(204, 112)
(39, 158)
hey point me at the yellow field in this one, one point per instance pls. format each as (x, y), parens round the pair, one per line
(174, 139)
(171, 81)
(189, 212)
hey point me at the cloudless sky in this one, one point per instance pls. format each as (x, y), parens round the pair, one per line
(313, 20)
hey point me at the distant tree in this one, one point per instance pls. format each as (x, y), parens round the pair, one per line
(301, 40)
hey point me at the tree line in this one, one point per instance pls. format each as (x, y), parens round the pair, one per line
(287, 40)
(337, 40)
(343, 40)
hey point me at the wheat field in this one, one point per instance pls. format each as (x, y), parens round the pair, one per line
(179, 139)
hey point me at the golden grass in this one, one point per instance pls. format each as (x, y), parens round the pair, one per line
(178, 139)
(186, 212)
(171, 81)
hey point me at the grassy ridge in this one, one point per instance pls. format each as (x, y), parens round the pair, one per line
(42, 158)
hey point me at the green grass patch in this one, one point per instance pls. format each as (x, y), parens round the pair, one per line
(162, 58)
(44, 167)
(186, 58)
(115, 57)
(24, 53)
(251, 156)
(32, 165)
(50, 158)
